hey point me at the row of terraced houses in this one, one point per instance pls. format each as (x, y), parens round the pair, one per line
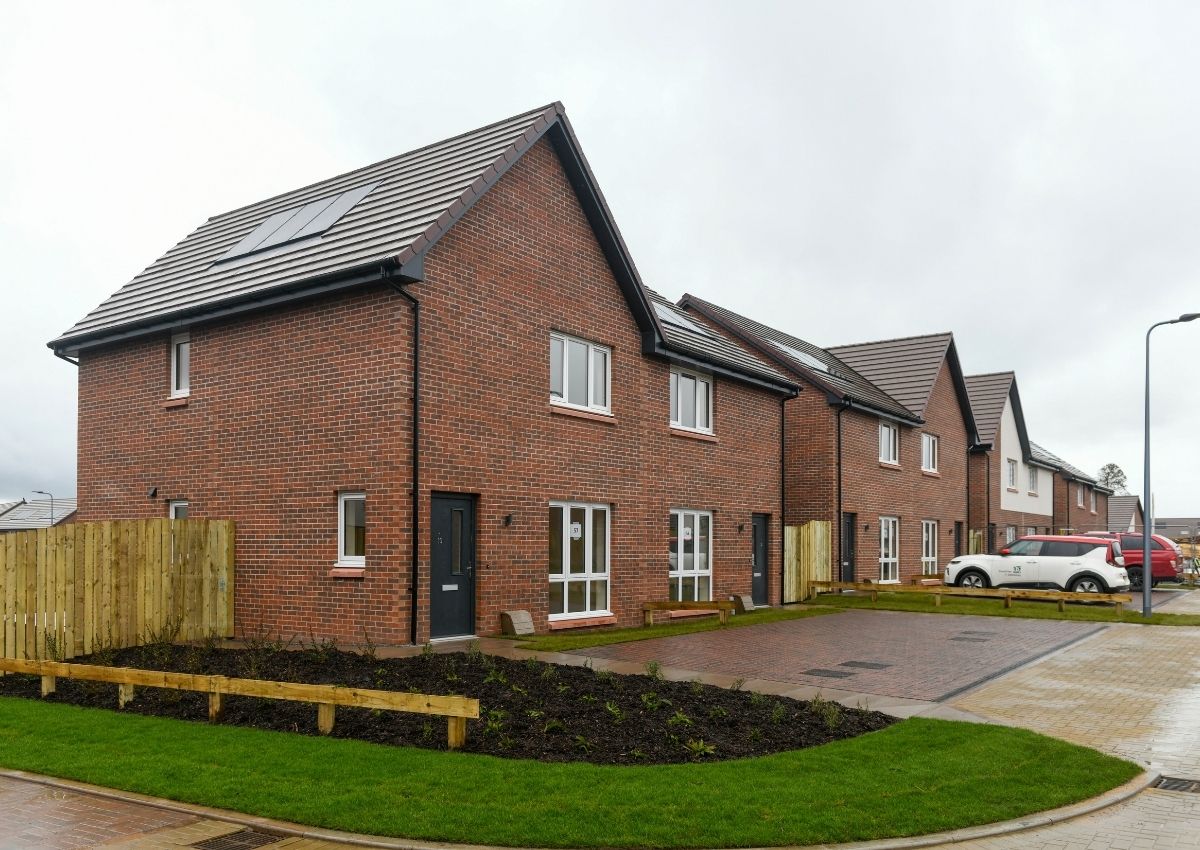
(436, 388)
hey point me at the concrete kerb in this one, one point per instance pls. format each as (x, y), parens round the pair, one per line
(291, 830)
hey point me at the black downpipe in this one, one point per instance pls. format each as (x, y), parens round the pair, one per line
(416, 452)
(987, 543)
(841, 522)
(782, 494)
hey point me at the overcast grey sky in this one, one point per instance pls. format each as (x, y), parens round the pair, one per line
(1025, 175)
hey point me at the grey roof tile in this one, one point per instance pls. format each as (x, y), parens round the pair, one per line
(905, 369)
(1048, 457)
(36, 514)
(988, 394)
(798, 356)
(410, 206)
(1121, 510)
(684, 334)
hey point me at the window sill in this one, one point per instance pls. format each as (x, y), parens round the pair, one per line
(561, 410)
(1011, 490)
(887, 464)
(1031, 493)
(348, 572)
(181, 401)
(693, 435)
(931, 473)
(583, 622)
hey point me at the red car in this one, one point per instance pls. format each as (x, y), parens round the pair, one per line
(1165, 561)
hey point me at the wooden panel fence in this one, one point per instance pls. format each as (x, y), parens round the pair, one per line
(72, 589)
(806, 558)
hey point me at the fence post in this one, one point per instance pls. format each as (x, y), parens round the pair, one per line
(325, 716)
(456, 733)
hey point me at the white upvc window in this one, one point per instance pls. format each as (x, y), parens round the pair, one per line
(929, 453)
(1010, 534)
(1012, 473)
(177, 509)
(1033, 479)
(929, 547)
(691, 400)
(1079, 496)
(352, 529)
(889, 549)
(690, 556)
(181, 365)
(579, 555)
(889, 443)
(1093, 495)
(1030, 530)
(580, 373)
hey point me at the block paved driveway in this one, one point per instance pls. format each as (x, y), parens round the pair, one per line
(887, 653)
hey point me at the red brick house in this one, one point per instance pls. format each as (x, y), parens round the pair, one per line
(462, 322)
(876, 444)
(1016, 486)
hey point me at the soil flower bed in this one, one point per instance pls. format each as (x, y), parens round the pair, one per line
(529, 709)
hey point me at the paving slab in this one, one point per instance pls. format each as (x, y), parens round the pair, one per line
(926, 657)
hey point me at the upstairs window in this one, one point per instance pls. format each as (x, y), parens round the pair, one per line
(579, 373)
(889, 443)
(1033, 479)
(1093, 495)
(929, 453)
(181, 364)
(691, 400)
(1012, 473)
(1079, 496)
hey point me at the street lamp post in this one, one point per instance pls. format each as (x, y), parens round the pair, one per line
(51, 495)
(1147, 504)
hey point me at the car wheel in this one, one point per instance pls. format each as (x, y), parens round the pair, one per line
(1135, 579)
(1087, 584)
(973, 579)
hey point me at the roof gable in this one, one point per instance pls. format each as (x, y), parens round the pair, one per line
(907, 369)
(988, 394)
(801, 358)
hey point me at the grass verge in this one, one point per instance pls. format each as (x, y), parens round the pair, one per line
(603, 637)
(916, 777)
(923, 604)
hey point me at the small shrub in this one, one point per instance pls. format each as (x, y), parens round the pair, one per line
(494, 723)
(756, 735)
(582, 744)
(588, 698)
(757, 699)
(562, 687)
(717, 712)
(696, 687)
(495, 674)
(614, 711)
(474, 653)
(654, 670)
(778, 712)
(552, 726)
(699, 749)
(737, 684)
(653, 701)
(426, 731)
(638, 753)
(679, 719)
(368, 648)
(427, 651)
(534, 713)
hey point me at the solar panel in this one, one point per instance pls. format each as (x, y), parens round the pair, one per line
(292, 225)
(671, 317)
(802, 357)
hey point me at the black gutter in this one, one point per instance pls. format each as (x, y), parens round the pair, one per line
(660, 350)
(62, 356)
(386, 273)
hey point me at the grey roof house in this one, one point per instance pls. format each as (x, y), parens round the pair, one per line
(36, 513)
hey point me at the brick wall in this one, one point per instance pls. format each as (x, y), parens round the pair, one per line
(986, 484)
(1068, 514)
(871, 489)
(289, 407)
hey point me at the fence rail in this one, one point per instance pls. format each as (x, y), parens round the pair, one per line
(326, 697)
(1005, 594)
(71, 589)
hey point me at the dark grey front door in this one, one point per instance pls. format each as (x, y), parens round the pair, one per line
(452, 567)
(761, 564)
(849, 545)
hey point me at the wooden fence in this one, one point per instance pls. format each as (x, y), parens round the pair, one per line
(1005, 594)
(326, 697)
(806, 558)
(72, 589)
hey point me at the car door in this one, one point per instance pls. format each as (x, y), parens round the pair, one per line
(1021, 564)
(1060, 559)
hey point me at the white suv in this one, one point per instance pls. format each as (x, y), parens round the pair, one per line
(1083, 564)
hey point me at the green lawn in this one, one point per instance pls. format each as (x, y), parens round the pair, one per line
(602, 637)
(923, 604)
(916, 777)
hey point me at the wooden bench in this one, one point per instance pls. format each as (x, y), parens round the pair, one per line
(723, 608)
(1005, 594)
